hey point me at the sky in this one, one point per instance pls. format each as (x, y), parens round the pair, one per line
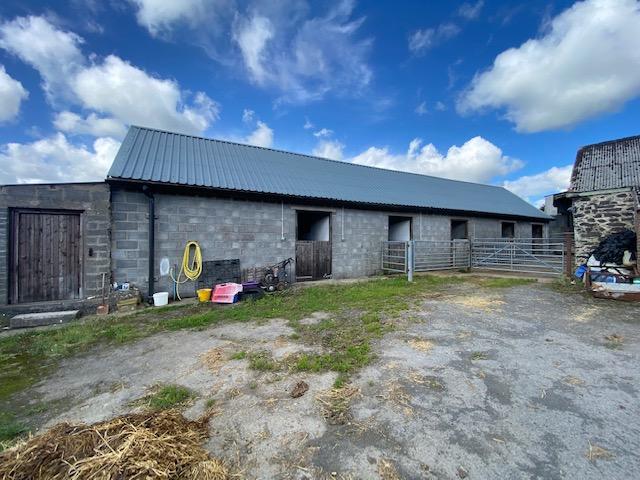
(498, 92)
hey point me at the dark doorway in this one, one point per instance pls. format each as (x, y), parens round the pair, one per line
(400, 228)
(459, 229)
(508, 230)
(313, 245)
(46, 256)
(536, 231)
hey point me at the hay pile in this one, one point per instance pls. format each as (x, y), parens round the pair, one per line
(137, 446)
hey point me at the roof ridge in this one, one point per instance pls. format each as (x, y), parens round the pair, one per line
(313, 156)
(607, 142)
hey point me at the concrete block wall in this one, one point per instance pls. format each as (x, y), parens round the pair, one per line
(596, 216)
(224, 228)
(252, 231)
(91, 199)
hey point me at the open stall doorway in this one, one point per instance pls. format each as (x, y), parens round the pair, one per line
(400, 228)
(313, 245)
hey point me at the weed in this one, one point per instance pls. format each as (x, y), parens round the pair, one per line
(210, 403)
(10, 429)
(167, 396)
(241, 355)
(253, 385)
(262, 361)
(340, 381)
(479, 356)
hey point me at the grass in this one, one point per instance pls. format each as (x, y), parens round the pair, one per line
(503, 282)
(10, 429)
(167, 396)
(479, 356)
(241, 355)
(360, 313)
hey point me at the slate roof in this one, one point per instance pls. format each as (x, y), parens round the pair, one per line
(156, 156)
(607, 165)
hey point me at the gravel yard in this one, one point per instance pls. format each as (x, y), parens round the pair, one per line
(471, 380)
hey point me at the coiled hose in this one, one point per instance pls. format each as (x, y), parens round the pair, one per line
(191, 267)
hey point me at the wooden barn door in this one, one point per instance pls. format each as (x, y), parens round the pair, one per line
(313, 245)
(313, 260)
(46, 251)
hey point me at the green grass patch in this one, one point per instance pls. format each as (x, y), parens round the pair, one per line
(241, 355)
(262, 361)
(167, 396)
(27, 357)
(10, 430)
(505, 282)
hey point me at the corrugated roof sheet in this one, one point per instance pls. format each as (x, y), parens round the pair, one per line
(612, 164)
(158, 156)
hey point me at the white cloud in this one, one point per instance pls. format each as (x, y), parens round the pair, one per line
(586, 63)
(422, 40)
(477, 160)
(54, 159)
(112, 90)
(470, 11)
(303, 58)
(307, 124)
(159, 16)
(534, 187)
(53, 52)
(440, 106)
(331, 149)
(12, 93)
(422, 109)
(73, 123)
(322, 133)
(117, 88)
(248, 115)
(262, 136)
(252, 39)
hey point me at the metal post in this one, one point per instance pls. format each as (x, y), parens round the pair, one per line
(410, 261)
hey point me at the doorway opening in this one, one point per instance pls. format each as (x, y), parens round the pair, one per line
(508, 229)
(313, 245)
(400, 228)
(459, 230)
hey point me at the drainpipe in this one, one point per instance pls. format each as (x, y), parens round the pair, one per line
(152, 239)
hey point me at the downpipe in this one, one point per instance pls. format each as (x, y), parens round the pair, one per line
(152, 241)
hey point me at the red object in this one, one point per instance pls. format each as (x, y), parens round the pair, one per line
(226, 293)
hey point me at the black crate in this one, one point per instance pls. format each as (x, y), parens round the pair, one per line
(215, 272)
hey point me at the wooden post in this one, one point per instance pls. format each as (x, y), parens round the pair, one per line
(568, 254)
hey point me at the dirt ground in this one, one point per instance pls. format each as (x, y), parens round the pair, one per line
(522, 382)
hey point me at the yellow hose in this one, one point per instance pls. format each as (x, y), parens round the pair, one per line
(191, 267)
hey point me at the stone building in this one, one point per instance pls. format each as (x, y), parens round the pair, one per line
(237, 201)
(603, 194)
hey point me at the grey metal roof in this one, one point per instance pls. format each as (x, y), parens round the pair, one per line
(612, 164)
(156, 156)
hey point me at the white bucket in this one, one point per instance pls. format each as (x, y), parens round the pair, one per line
(160, 299)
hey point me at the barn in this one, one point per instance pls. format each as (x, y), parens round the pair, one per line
(237, 201)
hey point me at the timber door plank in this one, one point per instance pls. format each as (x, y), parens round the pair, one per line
(47, 256)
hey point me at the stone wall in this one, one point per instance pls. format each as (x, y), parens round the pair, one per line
(598, 215)
(92, 199)
(253, 232)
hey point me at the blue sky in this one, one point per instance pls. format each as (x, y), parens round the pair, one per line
(489, 91)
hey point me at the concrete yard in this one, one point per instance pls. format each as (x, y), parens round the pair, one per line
(478, 383)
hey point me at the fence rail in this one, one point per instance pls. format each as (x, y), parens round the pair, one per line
(440, 255)
(519, 255)
(394, 257)
(525, 255)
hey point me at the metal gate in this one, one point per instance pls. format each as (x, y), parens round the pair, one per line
(526, 255)
(394, 257)
(440, 255)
